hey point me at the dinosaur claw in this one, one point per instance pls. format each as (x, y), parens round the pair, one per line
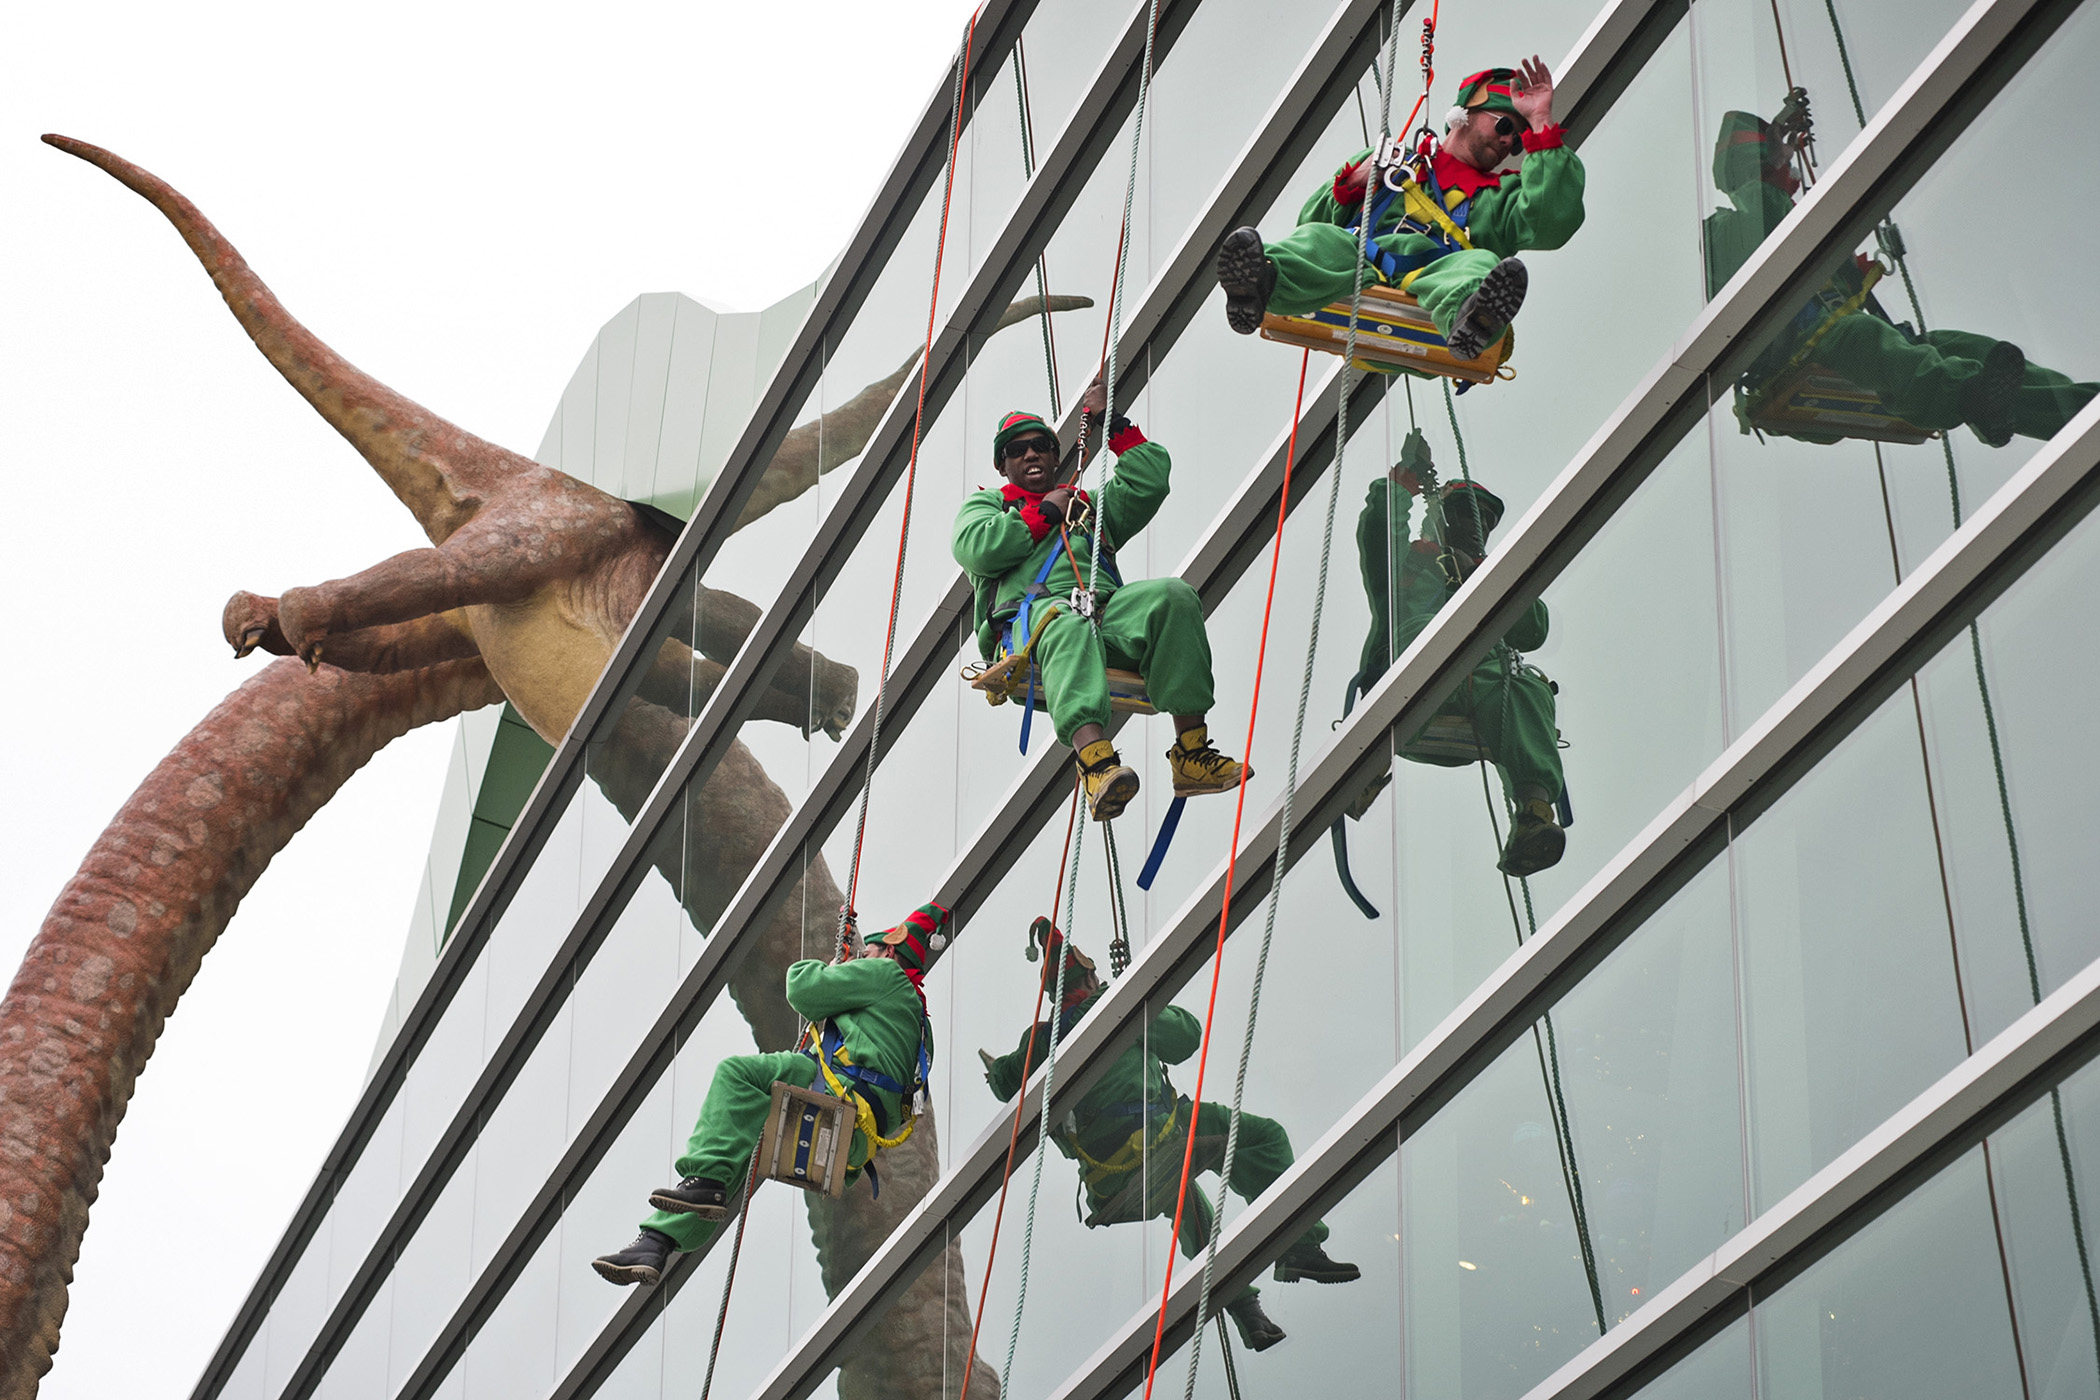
(312, 658)
(250, 637)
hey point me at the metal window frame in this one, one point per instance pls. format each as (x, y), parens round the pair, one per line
(919, 162)
(1957, 79)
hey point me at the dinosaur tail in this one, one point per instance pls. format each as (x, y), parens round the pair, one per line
(436, 468)
(130, 929)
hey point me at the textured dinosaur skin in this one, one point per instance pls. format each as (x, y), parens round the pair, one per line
(531, 578)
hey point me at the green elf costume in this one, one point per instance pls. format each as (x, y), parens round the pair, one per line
(1938, 380)
(1451, 242)
(1027, 547)
(1129, 1132)
(1510, 705)
(869, 1037)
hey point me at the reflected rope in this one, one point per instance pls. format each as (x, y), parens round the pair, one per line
(1042, 259)
(911, 477)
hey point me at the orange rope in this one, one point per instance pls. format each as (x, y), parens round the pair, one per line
(911, 469)
(1027, 1065)
(1217, 964)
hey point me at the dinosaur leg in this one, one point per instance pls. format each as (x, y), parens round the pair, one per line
(727, 826)
(130, 930)
(819, 692)
(682, 680)
(250, 622)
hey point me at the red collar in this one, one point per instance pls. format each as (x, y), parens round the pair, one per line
(1454, 174)
(1031, 504)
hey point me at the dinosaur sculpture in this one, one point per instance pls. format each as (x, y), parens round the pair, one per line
(529, 583)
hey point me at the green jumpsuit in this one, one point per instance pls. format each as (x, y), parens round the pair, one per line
(1131, 1128)
(1918, 378)
(1510, 705)
(1151, 626)
(1540, 206)
(873, 1005)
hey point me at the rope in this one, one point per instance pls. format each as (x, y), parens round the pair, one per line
(1231, 869)
(1042, 260)
(911, 477)
(1232, 1372)
(1290, 787)
(1891, 243)
(736, 1250)
(1014, 1137)
(1119, 946)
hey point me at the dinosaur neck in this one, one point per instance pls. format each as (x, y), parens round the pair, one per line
(439, 471)
(130, 929)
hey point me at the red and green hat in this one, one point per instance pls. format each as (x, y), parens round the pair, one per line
(923, 933)
(1747, 143)
(1080, 981)
(1492, 88)
(1017, 424)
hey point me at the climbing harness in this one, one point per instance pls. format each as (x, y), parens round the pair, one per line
(1290, 786)
(1398, 337)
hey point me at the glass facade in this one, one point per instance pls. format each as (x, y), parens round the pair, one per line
(1797, 694)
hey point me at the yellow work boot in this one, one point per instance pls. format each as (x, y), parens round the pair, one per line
(1199, 768)
(1109, 785)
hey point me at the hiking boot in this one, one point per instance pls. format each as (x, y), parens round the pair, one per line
(1987, 398)
(1488, 312)
(1109, 785)
(1535, 840)
(1199, 768)
(1257, 1333)
(1302, 1261)
(695, 1195)
(1248, 277)
(642, 1262)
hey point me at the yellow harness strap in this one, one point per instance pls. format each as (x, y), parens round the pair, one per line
(863, 1112)
(1874, 273)
(1129, 1156)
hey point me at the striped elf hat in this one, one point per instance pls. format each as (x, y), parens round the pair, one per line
(1014, 425)
(923, 933)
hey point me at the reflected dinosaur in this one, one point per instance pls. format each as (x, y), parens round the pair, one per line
(531, 578)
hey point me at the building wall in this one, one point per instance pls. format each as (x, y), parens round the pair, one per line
(1806, 890)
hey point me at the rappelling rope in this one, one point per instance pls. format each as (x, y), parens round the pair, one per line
(1115, 325)
(1290, 786)
(1042, 259)
(1549, 1045)
(1020, 1098)
(736, 1250)
(1891, 243)
(911, 476)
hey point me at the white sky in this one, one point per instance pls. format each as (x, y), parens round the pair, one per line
(456, 197)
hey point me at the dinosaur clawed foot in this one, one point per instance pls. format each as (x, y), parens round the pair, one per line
(301, 621)
(250, 621)
(836, 697)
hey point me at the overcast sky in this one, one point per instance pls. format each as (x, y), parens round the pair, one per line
(456, 197)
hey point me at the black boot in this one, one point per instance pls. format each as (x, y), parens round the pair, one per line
(1257, 1333)
(1488, 312)
(1303, 1261)
(696, 1195)
(1987, 398)
(641, 1262)
(1535, 840)
(1248, 277)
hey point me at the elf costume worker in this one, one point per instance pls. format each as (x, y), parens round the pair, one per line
(880, 1046)
(1936, 381)
(1129, 1132)
(1509, 704)
(1032, 541)
(1471, 287)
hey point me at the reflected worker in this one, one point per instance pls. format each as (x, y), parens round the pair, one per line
(1027, 548)
(1129, 1133)
(867, 1015)
(1936, 381)
(1451, 245)
(1509, 705)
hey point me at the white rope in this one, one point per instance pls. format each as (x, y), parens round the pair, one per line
(1290, 784)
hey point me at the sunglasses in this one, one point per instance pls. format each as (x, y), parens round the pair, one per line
(1021, 447)
(1505, 127)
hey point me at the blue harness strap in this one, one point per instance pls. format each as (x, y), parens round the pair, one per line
(832, 1043)
(1391, 266)
(1158, 853)
(1016, 637)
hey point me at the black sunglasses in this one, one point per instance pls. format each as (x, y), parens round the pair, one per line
(1505, 127)
(1021, 447)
